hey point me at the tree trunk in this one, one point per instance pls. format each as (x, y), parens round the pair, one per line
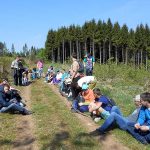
(104, 52)
(70, 50)
(100, 53)
(80, 51)
(123, 57)
(85, 46)
(52, 55)
(63, 50)
(73, 47)
(109, 49)
(138, 59)
(141, 57)
(126, 56)
(134, 60)
(58, 54)
(146, 65)
(77, 47)
(65, 54)
(116, 55)
(93, 49)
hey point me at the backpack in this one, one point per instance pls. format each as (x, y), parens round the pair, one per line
(81, 67)
(111, 102)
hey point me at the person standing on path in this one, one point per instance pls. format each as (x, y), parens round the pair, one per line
(89, 62)
(40, 68)
(15, 68)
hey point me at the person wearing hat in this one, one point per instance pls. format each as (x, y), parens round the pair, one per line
(87, 97)
(121, 121)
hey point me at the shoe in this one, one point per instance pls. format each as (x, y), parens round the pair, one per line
(97, 119)
(96, 132)
(73, 110)
(27, 112)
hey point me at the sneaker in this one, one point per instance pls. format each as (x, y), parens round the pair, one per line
(27, 112)
(97, 119)
(96, 132)
(73, 110)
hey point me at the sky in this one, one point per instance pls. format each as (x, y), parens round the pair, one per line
(28, 21)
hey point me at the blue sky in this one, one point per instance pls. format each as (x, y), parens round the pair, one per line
(28, 21)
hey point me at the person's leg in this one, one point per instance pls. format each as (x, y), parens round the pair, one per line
(15, 77)
(84, 108)
(114, 117)
(14, 107)
(75, 104)
(20, 77)
(116, 110)
(135, 133)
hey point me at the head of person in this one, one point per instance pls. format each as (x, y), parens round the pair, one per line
(137, 100)
(89, 54)
(85, 88)
(145, 99)
(6, 88)
(97, 92)
(17, 58)
(74, 56)
(5, 81)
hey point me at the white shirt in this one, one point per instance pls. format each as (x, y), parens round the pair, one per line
(59, 76)
(86, 79)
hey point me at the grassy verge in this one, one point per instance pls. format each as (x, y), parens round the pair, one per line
(7, 131)
(56, 127)
(122, 83)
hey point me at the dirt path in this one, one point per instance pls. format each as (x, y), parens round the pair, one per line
(25, 139)
(108, 141)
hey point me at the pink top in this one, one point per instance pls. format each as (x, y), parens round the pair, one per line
(39, 64)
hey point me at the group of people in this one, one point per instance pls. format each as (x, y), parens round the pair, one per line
(23, 75)
(10, 99)
(86, 98)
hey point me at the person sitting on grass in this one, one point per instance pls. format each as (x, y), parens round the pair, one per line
(104, 103)
(81, 104)
(119, 120)
(57, 79)
(141, 129)
(11, 105)
(90, 80)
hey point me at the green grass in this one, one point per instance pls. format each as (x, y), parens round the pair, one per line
(122, 83)
(7, 131)
(56, 126)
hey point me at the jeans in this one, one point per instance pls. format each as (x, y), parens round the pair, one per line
(12, 106)
(143, 137)
(89, 72)
(114, 118)
(83, 108)
(40, 71)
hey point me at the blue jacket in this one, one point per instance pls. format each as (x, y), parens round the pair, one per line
(144, 116)
(3, 102)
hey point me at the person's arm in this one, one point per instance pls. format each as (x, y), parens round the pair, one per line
(84, 62)
(141, 118)
(12, 65)
(75, 68)
(98, 105)
(145, 128)
(93, 61)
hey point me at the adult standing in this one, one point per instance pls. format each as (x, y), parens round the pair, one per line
(75, 75)
(89, 62)
(40, 68)
(15, 68)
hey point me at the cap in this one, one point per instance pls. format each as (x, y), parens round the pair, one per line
(85, 86)
(137, 98)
